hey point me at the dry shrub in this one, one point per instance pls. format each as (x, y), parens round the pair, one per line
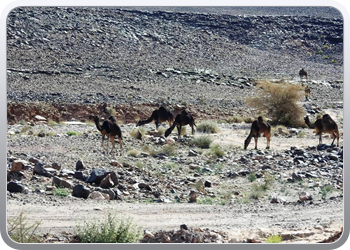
(279, 102)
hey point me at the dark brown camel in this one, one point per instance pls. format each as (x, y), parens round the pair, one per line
(324, 125)
(181, 120)
(158, 116)
(110, 129)
(259, 127)
(302, 73)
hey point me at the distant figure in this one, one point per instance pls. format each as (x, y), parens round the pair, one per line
(307, 93)
(302, 73)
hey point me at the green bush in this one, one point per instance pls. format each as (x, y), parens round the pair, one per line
(70, 133)
(202, 141)
(112, 230)
(252, 177)
(208, 127)
(274, 239)
(217, 151)
(63, 192)
(279, 102)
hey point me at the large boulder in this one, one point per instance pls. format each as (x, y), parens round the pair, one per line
(80, 191)
(41, 170)
(103, 178)
(14, 187)
(97, 175)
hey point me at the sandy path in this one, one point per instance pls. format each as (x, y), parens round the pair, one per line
(239, 220)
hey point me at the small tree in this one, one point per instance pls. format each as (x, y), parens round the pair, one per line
(279, 102)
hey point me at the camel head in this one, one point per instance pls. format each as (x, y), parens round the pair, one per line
(94, 118)
(246, 143)
(112, 118)
(138, 123)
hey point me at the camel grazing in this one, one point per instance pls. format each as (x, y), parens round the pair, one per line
(302, 73)
(181, 120)
(324, 125)
(259, 127)
(158, 116)
(108, 128)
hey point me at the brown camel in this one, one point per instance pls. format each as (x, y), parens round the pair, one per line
(158, 116)
(324, 125)
(302, 73)
(259, 127)
(181, 120)
(307, 92)
(110, 129)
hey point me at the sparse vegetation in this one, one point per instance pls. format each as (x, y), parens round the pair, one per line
(71, 133)
(326, 190)
(258, 190)
(21, 231)
(203, 141)
(135, 132)
(208, 127)
(217, 151)
(274, 239)
(133, 153)
(61, 192)
(111, 230)
(251, 177)
(279, 102)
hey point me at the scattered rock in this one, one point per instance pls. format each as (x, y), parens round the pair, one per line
(79, 165)
(14, 187)
(80, 191)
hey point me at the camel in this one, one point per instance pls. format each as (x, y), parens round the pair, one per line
(158, 116)
(307, 93)
(302, 73)
(181, 120)
(108, 128)
(259, 127)
(324, 125)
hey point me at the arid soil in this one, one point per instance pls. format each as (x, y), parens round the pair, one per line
(65, 64)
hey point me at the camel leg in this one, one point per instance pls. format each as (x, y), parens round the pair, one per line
(178, 132)
(103, 139)
(112, 137)
(335, 136)
(256, 142)
(157, 124)
(120, 143)
(268, 138)
(320, 139)
(192, 129)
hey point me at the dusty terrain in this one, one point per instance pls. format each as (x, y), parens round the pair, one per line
(65, 64)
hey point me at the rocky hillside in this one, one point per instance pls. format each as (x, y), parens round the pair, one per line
(75, 50)
(207, 61)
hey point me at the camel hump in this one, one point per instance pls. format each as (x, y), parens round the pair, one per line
(162, 109)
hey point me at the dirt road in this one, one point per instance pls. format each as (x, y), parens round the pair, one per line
(307, 223)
